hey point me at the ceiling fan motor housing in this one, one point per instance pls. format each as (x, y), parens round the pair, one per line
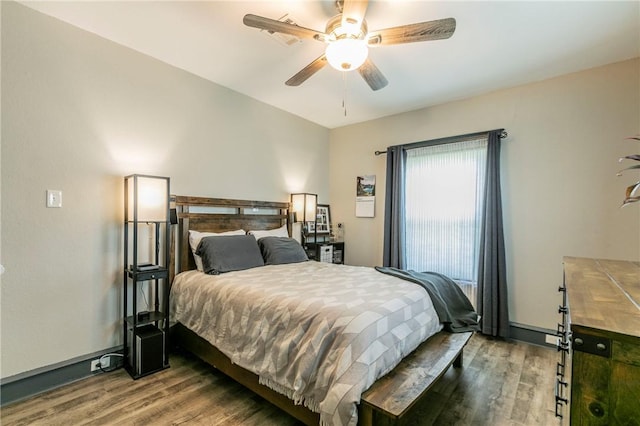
(336, 31)
(347, 46)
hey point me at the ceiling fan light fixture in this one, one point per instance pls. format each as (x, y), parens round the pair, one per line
(347, 37)
(347, 54)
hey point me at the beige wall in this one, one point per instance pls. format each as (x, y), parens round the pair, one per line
(78, 114)
(561, 195)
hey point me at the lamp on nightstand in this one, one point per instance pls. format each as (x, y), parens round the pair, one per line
(147, 198)
(303, 206)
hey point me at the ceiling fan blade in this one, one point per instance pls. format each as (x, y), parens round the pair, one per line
(372, 75)
(273, 25)
(422, 31)
(307, 72)
(353, 12)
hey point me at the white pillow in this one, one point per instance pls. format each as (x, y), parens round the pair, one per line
(195, 237)
(278, 232)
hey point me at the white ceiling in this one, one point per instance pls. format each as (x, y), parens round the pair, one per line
(495, 45)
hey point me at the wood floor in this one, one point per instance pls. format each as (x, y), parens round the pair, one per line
(501, 383)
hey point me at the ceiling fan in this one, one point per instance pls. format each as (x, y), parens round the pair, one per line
(348, 40)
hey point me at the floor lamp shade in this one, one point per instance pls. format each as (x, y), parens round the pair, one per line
(303, 205)
(147, 198)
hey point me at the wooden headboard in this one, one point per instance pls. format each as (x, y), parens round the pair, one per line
(218, 215)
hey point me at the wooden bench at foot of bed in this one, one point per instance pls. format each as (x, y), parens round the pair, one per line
(384, 403)
(391, 397)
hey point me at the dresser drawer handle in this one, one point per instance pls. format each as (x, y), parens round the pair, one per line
(559, 399)
(563, 358)
(578, 341)
(601, 347)
(563, 346)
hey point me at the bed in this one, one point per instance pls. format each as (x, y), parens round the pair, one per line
(330, 344)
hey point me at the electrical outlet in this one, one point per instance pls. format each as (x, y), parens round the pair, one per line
(96, 364)
(551, 339)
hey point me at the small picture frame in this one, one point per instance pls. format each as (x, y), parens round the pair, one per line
(323, 219)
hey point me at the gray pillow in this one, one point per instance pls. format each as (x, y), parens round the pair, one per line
(226, 253)
(278, 250)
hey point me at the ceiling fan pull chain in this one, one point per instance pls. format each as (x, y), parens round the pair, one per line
(344, 93)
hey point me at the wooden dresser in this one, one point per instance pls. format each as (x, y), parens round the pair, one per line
(599, 368)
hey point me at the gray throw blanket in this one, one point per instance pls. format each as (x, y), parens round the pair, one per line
(452, 306)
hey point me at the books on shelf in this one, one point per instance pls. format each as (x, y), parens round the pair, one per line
(142, 267)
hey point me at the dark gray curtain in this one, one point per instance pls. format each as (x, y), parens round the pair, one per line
(393, 251)
(492, 301)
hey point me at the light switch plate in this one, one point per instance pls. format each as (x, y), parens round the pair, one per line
(54, 198)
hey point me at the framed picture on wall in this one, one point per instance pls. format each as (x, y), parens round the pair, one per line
(365, 196)
(323, 219)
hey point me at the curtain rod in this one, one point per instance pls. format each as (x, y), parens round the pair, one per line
(503, 134)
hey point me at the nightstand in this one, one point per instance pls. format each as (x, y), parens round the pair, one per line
(329, 252)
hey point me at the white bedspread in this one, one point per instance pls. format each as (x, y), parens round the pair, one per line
(317, 332)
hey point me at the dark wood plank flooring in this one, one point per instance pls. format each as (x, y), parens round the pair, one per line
(501, 383)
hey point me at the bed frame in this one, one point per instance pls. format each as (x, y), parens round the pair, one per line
(385, 403)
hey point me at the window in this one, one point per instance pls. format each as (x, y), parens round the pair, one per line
(443, 205)
(442, 200)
